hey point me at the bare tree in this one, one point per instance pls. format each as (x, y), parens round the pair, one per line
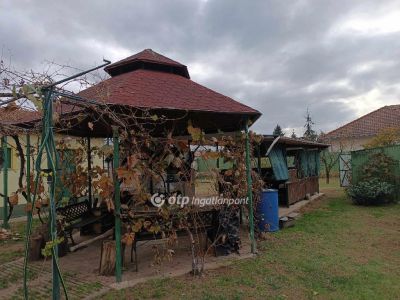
(329, 160)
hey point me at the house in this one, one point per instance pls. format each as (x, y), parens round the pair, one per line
(357, 133)
(16, 115)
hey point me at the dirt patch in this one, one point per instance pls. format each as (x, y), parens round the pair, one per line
(317, 203)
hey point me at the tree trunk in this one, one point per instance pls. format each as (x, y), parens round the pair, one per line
(107, 258)
(36, 245)
(197, 261)
(327, 174)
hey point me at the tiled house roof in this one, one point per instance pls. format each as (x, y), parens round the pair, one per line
(17, 115)
(369, 124)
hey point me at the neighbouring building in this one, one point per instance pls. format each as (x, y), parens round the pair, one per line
(354, 135)
(20, 116)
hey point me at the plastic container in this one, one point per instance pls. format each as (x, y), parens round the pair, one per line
(268, 211)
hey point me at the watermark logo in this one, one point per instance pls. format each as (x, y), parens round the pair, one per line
(159, 200)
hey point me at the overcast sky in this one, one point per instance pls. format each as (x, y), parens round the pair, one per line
(339, 58)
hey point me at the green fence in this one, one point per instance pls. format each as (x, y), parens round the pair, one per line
(360, 157)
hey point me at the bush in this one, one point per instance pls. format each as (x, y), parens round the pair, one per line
(371, 192)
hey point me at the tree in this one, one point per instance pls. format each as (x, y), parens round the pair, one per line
(293, 136)
(329, 160)
(309, 133)
(278, 130)
(386, 137)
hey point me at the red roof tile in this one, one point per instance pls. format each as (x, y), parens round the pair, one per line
(369, 124)
(17, 115)
(161, 89)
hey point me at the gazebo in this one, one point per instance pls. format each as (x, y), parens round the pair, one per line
(145, 92)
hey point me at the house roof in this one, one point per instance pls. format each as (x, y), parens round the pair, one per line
(369, 124)
(16, 115)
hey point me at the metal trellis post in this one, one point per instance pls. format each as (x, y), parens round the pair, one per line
(48, 145)
(250, 190)
(89, 162)
(28, 200)
(117, 208)
(51, 180)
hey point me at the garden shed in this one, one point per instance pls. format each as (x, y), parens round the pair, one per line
(289, 165)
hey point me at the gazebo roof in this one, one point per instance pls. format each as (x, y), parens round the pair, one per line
(147, 59)
(144, 87)
(155, 83)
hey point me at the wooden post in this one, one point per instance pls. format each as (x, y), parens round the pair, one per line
(117, 209)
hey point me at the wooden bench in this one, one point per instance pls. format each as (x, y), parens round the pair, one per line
(76, 216)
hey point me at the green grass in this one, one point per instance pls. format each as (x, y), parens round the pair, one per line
(336, 251)
(334, 183)
(14, 249)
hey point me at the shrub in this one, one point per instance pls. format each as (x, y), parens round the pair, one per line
(371, 192)
(379, 166)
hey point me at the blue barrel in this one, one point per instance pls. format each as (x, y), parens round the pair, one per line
(268, 211)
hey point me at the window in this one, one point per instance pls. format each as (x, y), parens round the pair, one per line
(9, 158)
(291, 161)
(67, 160)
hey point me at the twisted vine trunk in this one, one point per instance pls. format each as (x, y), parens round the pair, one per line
(197, 262)
(21, 173)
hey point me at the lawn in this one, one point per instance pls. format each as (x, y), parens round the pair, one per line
(335, 251)
(14, 248)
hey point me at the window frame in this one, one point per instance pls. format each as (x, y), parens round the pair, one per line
(9, 156)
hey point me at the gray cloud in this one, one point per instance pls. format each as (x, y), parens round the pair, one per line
(277, 56)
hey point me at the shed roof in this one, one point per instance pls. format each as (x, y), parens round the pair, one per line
(291, 142)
